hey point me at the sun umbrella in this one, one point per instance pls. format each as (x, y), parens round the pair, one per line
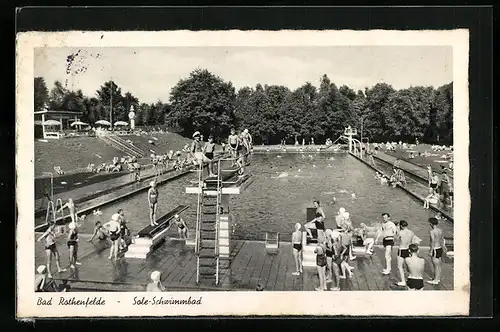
(51, 123)
(103, 122)
(121, 123)
(78, 123)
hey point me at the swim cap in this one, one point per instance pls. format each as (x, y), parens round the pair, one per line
(341, 210)
(328, 232)
(298, 226)
(152, 183)
(41, 269)
(155, 276)
(196, 133)
(176, 216)
(346, 215)
(115, 217)
(72, 225)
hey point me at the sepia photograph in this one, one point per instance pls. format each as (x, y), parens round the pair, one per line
(251, 168)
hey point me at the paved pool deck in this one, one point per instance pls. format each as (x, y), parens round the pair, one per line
(249, 265)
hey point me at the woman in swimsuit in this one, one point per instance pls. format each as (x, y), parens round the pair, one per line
(336, 258)
(182, 228)
(51, 249)
(73, 245)
(432, 198)
(321, 266)
(297, 249)
(152, 201)
(113, 227)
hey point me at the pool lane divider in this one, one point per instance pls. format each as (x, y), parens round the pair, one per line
(417, 197)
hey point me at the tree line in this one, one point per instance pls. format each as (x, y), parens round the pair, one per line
(205, 102)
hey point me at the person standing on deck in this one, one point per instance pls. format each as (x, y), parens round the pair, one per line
(415, 266)
(73, 245)
(208, 150)
(406, 237)
(321, 263)
(297, 249)
(51, 249)
(233, 141)
(153, 203)
(445, 187)
(70, 205)
(247, 143)
(436, 250)
(197, 150)
(388, 233)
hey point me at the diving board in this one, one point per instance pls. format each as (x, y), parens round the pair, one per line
(148, 237)
(233, 187)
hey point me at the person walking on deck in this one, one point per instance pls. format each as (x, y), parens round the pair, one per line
(436, 250)
(416, 267)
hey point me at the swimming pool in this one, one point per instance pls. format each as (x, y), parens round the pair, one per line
(283, 186)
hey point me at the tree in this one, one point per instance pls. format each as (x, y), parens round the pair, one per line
(203, 101)
(111, 99)
(57, 96)
(376, 98)
(41, 96)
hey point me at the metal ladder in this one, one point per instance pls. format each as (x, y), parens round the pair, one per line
(207, 229)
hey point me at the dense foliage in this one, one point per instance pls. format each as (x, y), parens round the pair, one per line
(271, 113)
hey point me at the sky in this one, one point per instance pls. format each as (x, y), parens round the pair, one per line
(149, 73)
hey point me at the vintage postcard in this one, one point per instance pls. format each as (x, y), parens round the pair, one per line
(237, 173)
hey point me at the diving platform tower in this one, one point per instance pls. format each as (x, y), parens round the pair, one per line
(213, 218)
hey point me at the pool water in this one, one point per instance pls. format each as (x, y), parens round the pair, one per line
(283, 187)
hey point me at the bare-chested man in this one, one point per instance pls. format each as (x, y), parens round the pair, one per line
(388, 233)
(406, 238)
(415, 266)
(436, 250)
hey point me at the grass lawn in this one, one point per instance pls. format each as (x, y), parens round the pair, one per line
(420, 160)
(164, 143)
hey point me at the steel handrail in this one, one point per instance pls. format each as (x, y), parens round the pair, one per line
(217, 220)
(198, 226)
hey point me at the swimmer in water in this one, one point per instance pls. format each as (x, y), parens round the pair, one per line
(297, 249)
(318, 222)
(70, 205)
(153, 202)
(182, 228)
(99, 231)
(51, 249)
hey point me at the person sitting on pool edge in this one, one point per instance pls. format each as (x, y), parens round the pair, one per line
(99, 231)
(318, 222)
(432, 198)
(182, 228)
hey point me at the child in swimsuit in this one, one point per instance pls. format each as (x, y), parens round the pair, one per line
(209, 149)
(321, 266)
(181, 227)
(297, 249)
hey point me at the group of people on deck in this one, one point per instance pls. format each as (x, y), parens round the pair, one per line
(334, 248)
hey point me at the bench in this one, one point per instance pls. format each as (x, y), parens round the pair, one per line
(148, 237)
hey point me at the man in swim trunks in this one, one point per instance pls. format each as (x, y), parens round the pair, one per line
(208, 150)
(406, 238)
(436, 250)
(388, 233)
(182, 228)
(318, 222)
(415, 266)
(246, 139)
(234, 141)
(153, 202)
(99, 231)
(197, 150)
(297, 249)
